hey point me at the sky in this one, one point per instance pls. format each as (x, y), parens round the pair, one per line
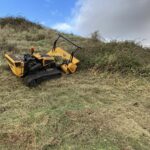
(46, 12)
(114, 19)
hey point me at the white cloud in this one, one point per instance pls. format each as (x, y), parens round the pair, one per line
(115, 19)
(63, 27)
(43, 23)
(56, 13)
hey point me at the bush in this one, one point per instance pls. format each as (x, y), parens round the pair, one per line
(18, 23)
(95, 36)
(124, 57)
(6, 46)
(35, 37)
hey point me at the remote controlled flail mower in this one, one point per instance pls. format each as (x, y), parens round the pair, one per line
(35, 67)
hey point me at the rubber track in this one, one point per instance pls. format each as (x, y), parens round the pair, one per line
(37, 78)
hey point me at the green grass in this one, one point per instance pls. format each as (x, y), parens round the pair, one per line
(76, 112)
(104, 106)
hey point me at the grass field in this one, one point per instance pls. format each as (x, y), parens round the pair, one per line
(81, 111)
(104, 106)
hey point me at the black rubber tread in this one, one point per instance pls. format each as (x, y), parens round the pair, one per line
(35, 79)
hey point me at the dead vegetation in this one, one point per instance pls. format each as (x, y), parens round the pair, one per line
(105, 105)
(18, 23)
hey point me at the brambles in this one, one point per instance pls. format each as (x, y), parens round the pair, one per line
(124, 57)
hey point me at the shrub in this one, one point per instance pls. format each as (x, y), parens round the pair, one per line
(124, 57)
(95, 36)
(18, 23)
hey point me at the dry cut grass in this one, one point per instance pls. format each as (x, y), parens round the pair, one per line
(81, 111)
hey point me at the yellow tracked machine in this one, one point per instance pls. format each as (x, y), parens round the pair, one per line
(35, 67)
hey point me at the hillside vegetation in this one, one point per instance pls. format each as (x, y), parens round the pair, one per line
(104, 106)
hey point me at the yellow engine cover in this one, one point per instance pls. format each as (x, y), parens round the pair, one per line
(62, 53)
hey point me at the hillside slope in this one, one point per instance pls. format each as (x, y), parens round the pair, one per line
(104, 106)
(19, 34)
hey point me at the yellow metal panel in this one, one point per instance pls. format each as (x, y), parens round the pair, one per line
(65, 68)
(72, 67)
(62, 53)
(9, 58)
(37, 55)
(18, 70)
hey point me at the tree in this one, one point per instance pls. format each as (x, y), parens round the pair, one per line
(95, 36)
